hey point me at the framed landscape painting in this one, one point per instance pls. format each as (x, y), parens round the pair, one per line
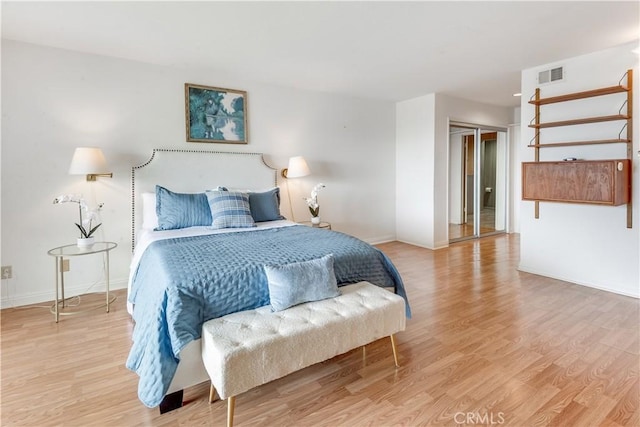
(215, 114)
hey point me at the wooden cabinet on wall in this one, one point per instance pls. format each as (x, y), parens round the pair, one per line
(605, 182)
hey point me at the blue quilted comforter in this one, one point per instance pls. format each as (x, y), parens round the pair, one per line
(181, 283)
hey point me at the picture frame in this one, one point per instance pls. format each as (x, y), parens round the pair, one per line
(214, 114)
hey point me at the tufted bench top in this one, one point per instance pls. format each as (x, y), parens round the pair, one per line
(250, 348)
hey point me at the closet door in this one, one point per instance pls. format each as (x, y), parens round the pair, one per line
(491, 185)
(477, 181)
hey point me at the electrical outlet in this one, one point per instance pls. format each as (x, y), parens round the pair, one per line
(65, 265)
(7, 272)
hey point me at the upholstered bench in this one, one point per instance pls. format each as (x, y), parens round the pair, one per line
(250, 348)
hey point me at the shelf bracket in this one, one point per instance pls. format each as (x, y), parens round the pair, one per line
(624, 126)
(628, 79)
(621, 107)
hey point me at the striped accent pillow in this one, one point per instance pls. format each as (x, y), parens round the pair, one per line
(230, 209)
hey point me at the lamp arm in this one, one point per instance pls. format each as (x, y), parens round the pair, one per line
(93, 176)
(290, 206)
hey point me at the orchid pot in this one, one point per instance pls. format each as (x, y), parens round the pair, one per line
(85, 242)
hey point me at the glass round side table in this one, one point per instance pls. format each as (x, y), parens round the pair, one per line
(322, 224)
(68, 251)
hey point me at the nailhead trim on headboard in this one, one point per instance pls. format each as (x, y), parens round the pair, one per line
(171, 150)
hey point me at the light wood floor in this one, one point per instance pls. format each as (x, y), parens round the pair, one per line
(487, 345)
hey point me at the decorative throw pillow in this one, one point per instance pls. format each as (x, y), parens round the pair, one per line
(299, 282)
(265, 205)
(230, 209)
(181, 210)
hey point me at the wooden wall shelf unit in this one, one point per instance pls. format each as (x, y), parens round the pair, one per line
(603, 182)
(599, 181)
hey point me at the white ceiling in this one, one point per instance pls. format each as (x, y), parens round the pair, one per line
(385, 50)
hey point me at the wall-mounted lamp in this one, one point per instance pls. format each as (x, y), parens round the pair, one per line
(297, 168)
(89, 161)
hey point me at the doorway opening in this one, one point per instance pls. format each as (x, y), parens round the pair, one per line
(477, 181)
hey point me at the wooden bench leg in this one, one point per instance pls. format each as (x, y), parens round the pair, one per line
(231, 403)
(230, 408)
(395, 354)
(213, 396)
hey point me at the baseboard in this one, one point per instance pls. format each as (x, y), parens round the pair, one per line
(420, 245)
(442, 245)
(380, 240)
(526, 269)
(8, 301)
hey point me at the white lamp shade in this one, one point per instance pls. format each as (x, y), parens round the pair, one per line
(88, 160)
(297, 167)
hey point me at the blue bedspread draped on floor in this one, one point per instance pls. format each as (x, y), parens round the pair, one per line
(181, 283)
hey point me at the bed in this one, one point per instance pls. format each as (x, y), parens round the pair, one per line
(189, 272)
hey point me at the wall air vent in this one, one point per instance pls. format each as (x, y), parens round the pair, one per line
(550, 76)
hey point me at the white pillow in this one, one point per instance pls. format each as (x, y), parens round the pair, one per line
(149, 216)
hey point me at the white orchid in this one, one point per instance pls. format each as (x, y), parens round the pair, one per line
(89, 216)
(312, 202)
(68, 198)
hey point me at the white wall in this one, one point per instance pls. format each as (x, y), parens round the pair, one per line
(414, 171)
(584, 244)
(55, 100)
(422, 162)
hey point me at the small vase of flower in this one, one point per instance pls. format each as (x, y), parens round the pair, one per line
(86, 239)
(85, 242)
(312, 204)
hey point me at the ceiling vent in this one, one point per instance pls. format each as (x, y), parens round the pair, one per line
(550, 76)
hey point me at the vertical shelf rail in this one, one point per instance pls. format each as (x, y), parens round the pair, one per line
(630, 141)
(537, 147)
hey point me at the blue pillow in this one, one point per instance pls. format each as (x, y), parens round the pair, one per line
(230, 209)
(265, 206)
(181, 210)
(299, 282)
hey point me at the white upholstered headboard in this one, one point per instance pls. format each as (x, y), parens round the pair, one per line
(194, 171)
